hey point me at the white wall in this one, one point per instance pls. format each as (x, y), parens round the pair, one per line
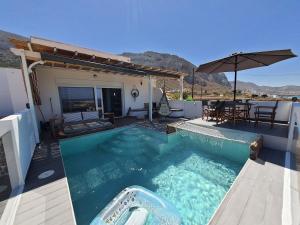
(294, 130)
(13, 97)
(191, 109)
(49, 79)
(282, 112)
(177, 104)
(17, 132)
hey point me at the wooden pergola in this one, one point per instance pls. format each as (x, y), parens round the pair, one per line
(56, 54)
(35, 51)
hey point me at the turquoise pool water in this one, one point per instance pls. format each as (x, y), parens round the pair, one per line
(190, 170)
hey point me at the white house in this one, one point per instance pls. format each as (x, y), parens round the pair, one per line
(62, 78)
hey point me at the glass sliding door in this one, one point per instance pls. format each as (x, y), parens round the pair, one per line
(77, 99)
(80, 99)
(112, 100)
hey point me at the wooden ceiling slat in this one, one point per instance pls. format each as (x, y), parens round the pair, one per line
(100, 63)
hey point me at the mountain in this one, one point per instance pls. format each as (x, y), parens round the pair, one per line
(7, 58)
(210, 82)
(217, 82)
(256, 89)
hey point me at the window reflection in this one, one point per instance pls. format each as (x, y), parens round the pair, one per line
(77, 99)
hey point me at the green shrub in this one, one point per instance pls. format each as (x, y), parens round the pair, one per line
(189, 98)
(185, 95)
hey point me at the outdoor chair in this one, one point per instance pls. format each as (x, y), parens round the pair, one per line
(204, 107)
(246, 110)
(164, 110)
(209, 109)
(164, 107)
(243, 110)
(265, 113)
(216, 111)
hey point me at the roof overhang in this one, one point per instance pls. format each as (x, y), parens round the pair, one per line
(58, 54)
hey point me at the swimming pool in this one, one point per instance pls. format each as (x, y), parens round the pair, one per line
(192, 171)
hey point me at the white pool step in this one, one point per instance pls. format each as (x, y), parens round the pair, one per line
(143, 201)
(137, 217)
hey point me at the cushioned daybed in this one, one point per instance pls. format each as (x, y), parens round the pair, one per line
(79, 123)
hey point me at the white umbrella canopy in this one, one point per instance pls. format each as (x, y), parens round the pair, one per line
(242, 61)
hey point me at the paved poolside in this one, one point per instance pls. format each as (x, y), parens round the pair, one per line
(255, 198)
(257, 195)
(46, 201)
(279, 130)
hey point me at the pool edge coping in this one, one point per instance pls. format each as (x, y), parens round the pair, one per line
(255, 135)
(67, 184)
(229, 190)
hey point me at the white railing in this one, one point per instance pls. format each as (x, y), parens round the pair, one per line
(294, 129)
(18, 138)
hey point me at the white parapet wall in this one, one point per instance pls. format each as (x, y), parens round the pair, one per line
(294, 130)
(13, 97)
(17, 133)
(283, 110)
(190, 109)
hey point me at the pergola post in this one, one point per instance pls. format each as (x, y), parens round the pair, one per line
(29, 92)
(150, 98)
(181, 87)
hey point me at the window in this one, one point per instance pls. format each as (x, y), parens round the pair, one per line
(77, 99)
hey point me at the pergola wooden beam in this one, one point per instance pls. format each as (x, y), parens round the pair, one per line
(57, 58)
(108, 67)
(57, 52)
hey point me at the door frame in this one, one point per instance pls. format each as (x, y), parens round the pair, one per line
(121, 87)
(122, 98)
(96, 99)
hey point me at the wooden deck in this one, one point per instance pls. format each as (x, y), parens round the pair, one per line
(46, 201)
(256, 196)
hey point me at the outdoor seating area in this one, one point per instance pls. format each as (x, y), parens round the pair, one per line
(234, 111)
(155, 110)
(265, 113)
(79, 123)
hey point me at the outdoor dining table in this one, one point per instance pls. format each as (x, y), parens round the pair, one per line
(234, 111)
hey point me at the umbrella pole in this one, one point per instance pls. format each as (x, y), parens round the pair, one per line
(235, 73)
(193, 83)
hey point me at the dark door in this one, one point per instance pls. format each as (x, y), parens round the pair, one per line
(112, 100)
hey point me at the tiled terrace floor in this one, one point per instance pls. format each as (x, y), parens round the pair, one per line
(279, 130)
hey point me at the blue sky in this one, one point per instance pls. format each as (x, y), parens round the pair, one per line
(198, 30)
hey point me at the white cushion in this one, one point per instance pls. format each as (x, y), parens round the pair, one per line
(72, 117)
(90, 115)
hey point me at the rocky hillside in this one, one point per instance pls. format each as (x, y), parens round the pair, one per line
(210, 82)
(7, 58)
(256, 89)
(217, 81)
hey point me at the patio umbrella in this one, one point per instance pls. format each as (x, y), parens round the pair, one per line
(243, 61)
